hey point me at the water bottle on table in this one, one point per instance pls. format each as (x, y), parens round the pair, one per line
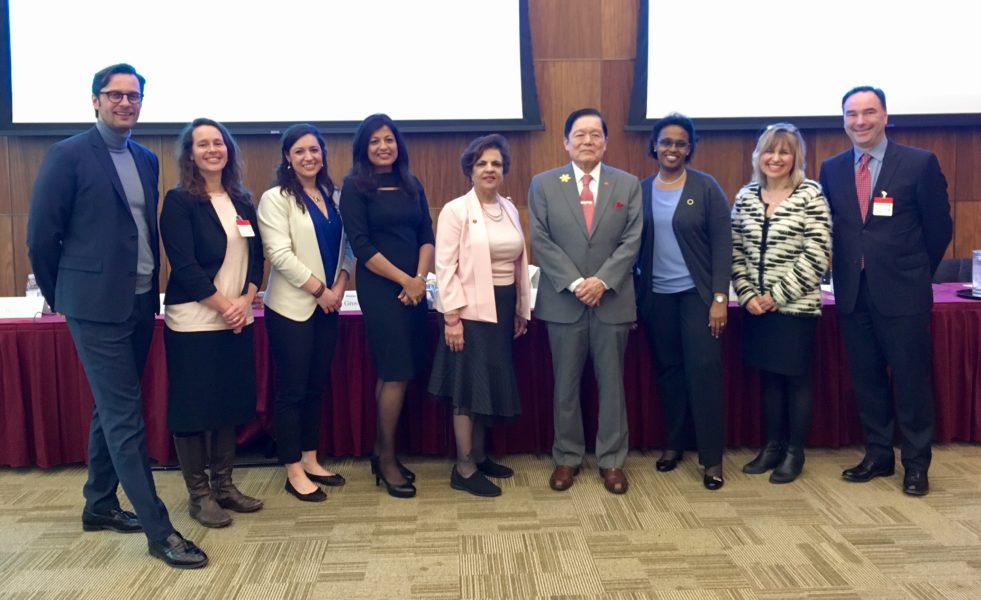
(976, 275)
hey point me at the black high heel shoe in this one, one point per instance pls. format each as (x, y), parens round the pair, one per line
(405, 490)
(404, 470)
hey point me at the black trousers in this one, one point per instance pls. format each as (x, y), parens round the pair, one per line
(874, 343)
(302, 352)
(113, 356)
(688, 363)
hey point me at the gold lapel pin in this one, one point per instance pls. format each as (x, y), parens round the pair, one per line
(691, 202)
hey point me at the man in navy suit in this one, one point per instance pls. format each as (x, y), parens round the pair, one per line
(93, 243)
(891, 227)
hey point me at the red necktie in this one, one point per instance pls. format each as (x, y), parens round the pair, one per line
(586, 200)
(863, 185)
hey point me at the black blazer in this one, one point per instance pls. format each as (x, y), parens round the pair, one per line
(902, 251)
(81, 236)
(701, 224)
(195, 243)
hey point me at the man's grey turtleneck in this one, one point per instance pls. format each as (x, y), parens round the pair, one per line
(118, 145)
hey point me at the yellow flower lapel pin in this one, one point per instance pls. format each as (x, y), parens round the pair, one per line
(565, 178)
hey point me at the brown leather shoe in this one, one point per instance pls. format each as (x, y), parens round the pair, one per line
(563, 477)
(615, 480)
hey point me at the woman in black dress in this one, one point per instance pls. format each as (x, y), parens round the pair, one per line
(387, 220)
(484, 295)
(208, 226)
(781, 234)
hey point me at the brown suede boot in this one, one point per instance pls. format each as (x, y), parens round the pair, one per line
(201, 503)
(222, 459)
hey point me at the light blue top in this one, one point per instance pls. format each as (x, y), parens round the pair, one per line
(669, 273)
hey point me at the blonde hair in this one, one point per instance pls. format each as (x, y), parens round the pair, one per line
(774, 136)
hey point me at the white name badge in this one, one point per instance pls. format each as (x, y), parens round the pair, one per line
(244, 228)
(882, 206)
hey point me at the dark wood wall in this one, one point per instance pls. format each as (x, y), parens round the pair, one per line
(583, 56)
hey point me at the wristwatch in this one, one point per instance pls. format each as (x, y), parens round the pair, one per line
(719, 298)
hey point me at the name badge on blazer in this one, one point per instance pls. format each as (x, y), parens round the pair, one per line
(882, 206)
(244, 227)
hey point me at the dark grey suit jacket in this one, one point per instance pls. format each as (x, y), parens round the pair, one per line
(902, 251)
(81, 236)
(565, 251)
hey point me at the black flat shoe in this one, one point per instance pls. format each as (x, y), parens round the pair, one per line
(476, 484)
(405, 490)
(117, 519)
(178, 552)
(494, 469)
(317, 495)
(404, 470)
(668, 464)
(712, 482)
(916, 483)
(867, 470)
(334, 480)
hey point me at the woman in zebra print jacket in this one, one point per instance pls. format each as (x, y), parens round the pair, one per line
(781, 234)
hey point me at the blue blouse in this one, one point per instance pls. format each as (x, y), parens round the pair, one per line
(669, 272)
(328, 229)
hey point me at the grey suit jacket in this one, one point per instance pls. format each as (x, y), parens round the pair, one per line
(565, 251)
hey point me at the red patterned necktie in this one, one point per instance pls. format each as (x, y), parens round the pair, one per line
(863, 185)
(586, 200)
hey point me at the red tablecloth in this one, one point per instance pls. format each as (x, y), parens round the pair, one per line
(45, 402)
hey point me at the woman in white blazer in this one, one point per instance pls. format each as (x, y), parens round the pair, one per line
(310, 261)
(485, 299)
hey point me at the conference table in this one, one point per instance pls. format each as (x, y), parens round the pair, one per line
(45, 401)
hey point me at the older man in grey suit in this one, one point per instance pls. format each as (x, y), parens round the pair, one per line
(585, 234)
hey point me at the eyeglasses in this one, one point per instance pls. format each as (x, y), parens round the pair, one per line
(676, 144)
(117, 97)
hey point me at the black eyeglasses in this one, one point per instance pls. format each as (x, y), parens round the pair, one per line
(668, 144)
(117, 97)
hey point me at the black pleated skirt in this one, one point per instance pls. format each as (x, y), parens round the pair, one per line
(778, 342)
(480, 380)
(210, 379)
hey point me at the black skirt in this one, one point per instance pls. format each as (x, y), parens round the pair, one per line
(210, 379)
(778, 342)
(479, 380)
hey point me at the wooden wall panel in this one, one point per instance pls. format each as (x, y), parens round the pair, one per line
(21, 262)
(8, 286)
(967, 168)
(563, 86)
(25, 157)
(619, 26)
(564, 29)
(967, 227)
(5, 205)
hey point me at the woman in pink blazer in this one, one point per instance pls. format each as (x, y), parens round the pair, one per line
(485, 300)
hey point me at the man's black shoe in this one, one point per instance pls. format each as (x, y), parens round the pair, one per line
(915, 482)
(867, 470)
(117, 519)
(178, 552)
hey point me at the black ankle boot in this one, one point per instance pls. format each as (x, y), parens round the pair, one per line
(790, 467)
(769, 457)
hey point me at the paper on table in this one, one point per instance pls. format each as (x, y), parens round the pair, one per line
(21, 307)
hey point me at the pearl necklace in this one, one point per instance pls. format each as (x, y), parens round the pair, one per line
(673, 181)
(496, 218)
